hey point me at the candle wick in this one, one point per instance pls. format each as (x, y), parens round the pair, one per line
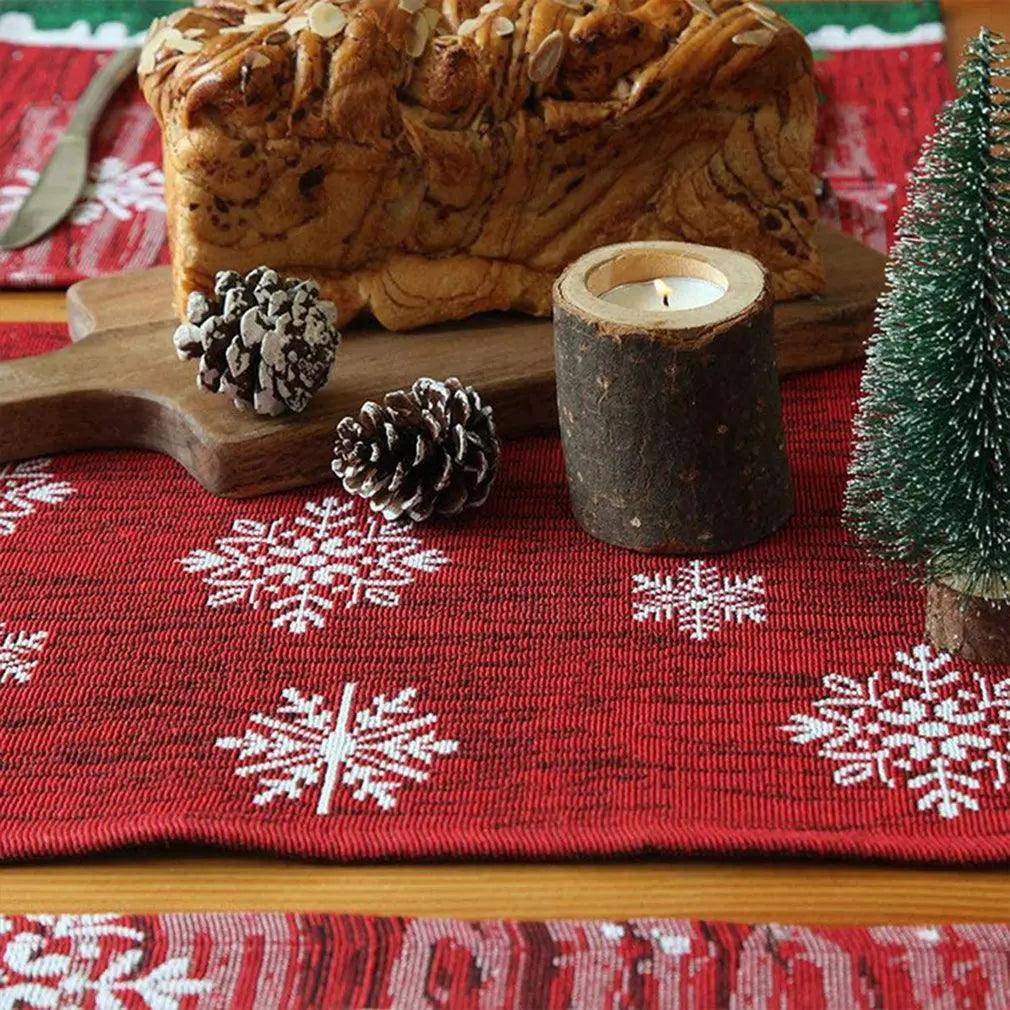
(663, 290)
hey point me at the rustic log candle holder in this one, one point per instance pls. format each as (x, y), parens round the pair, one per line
(670, 419)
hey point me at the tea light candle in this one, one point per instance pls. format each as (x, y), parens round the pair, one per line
(670, 419)
(661, 293)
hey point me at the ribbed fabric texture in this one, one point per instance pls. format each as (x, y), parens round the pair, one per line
(300, 962)
(290, 673)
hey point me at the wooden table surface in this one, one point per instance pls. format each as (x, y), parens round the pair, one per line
(804, 893)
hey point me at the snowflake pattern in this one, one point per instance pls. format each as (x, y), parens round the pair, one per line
(113, 187)
(923, 726)
(19, 654)
(301, 570)
(699, 598)
(71, 961)
(370, 750)
(24, 486)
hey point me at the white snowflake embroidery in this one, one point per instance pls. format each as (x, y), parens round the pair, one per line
(671, 944)
(302, 569)
(67, 962)
(923, 726)
(113, 187)
(371, 750)
(700, 599)
(23, 486)
(19, 654)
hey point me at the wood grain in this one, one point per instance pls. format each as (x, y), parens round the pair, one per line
(810, 894)
(33, 306)
(124, 387)
(964, 17)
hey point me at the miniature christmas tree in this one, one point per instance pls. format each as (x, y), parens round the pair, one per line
(930, 476)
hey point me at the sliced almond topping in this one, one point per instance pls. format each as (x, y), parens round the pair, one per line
(259, 18)
(326, 20)
(755, 37)
(194, 33)
(502, 26)
(149, 54)
(165, 37)
(622, 89)
(472, 25)
(432, 16)
(547, 57)
(411, 6)
(184, 45)
(296, 24)
(450, 11)
(766, 16)
(418, 37)
(572, 5)
(702, 7)
(235, 30)
(258, 60)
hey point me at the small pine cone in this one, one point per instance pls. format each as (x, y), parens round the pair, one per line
(266, 341)
(432, 449)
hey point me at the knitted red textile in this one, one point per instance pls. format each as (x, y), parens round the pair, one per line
(291, 674)
(302, 962)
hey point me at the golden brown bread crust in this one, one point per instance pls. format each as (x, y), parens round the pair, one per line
(429, 188)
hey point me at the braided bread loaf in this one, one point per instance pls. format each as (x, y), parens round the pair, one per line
(424, 163)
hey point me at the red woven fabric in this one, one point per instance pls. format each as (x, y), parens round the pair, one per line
(299, 962)
(119, 222)
(288, 673)
(877, 107)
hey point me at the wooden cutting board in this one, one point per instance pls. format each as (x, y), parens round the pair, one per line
(124, 387)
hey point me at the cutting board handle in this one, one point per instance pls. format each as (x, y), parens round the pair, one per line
(95, 394)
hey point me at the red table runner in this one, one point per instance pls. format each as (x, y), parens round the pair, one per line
(298, 962)
(291, 674)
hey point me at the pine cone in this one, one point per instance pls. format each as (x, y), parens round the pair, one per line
(266, 341)
(432, 449)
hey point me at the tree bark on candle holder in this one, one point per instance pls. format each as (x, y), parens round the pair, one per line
(673, 439)
(974, 627)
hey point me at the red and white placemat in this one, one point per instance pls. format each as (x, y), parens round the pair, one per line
(291, 674)
(298, 962)
(118, 223)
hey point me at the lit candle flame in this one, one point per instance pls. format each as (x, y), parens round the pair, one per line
(663, 290)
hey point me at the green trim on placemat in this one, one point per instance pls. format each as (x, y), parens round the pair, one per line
(890, 17)
(839, 25)
(135, 14)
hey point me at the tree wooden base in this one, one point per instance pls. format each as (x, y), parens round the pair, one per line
(670, 420)
(976, 628)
